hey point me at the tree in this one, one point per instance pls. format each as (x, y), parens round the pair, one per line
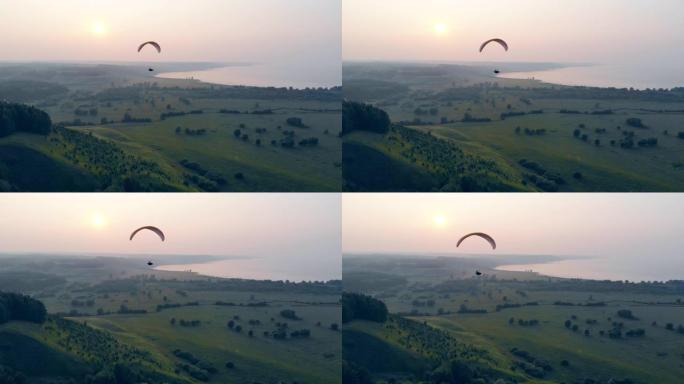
(289, 314)
(363, 117)
(23, 118)
(17, 307)
(296, 122)
(626, 314)
(635, 123)
(358, 306)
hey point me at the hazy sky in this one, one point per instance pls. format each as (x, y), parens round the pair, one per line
(197, 30)
(302, 228)
(643, 225)
(538, 30)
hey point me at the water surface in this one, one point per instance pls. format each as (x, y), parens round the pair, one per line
(647, 268)
(618, 76)
(264, 269)
(295, 75)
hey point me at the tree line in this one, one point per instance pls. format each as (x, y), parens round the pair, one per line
(23, 118)
(17, 307)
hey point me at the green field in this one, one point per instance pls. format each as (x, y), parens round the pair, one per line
(108, 311)
(169, 124)
(493, 315)
(511, 123)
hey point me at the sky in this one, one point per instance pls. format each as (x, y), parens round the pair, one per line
(198, 30)
(616, 225)
(571, 31)
(287, 228)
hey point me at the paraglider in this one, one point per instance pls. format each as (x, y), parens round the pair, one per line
(485, 236)
(152, 43)
(156, 230)
(478, 273)
(149, 263)
(499, 41)
(497, 71)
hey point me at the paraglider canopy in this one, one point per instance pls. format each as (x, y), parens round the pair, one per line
(485, 236)
(499, 41)
(149, 228)
(152, 43)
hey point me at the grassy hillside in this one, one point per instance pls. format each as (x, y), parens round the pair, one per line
(63, 349)
(187, 327)
(409, 160)
(542, 137)
(124, 131)
(539, 329)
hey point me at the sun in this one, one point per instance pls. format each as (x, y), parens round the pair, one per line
(98, 220)
(99, 28)
(440, 28)
(439, 220)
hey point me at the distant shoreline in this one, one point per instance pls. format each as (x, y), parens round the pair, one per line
(275, 75)
(243, 268)
(602, 76)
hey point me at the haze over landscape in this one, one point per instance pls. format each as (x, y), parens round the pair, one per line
(603, 34)
(204, 30)
(614, 235)
(286, 236)
(301, 36)
(580, 31)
